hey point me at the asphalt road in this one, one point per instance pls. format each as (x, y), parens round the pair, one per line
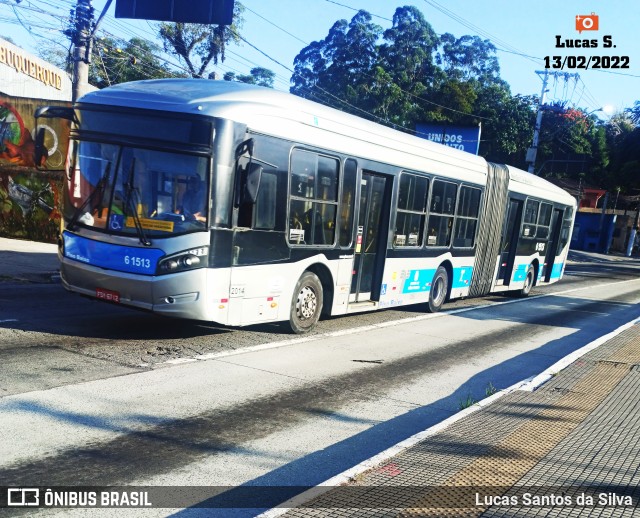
(98, 394)
(49, 337)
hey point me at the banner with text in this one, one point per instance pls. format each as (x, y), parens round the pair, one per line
(465, 138)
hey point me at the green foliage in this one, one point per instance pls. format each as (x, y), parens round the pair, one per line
(406, 74)
(337, 68)
(258, 76)
(466, 403)
(197, 45)
(56, 53)
(114, 62)
(634, 113)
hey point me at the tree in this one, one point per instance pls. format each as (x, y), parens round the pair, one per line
(407, 55)
(469, 58)
(634, 113)
(408, 51)
(197, 45)
(56, 53)
(339, 67)
(258, 76)
(623, 139)
(114, 63)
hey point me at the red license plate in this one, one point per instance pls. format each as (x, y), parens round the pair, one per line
(108, 295)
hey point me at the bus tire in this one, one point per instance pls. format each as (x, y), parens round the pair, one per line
(306, 304)
(528, 282)
(439, 289)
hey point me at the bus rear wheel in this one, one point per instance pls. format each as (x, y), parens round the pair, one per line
(306, 304)
(528, 282)
(439, 288)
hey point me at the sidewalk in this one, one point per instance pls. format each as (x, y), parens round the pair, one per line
(28, 260)
(569, 448)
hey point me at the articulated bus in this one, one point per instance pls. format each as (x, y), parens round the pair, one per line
(235, 204)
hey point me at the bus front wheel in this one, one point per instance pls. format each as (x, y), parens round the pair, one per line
(438, 291)
(306, 304)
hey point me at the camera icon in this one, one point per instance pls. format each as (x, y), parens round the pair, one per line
(587, 22)
(23, 497)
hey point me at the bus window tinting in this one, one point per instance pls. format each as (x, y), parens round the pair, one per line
(412, 199)
(347, 202)
(530, 218)
(565, 231)
(544, 219)
(467, 217)
(313, 204)
(442, 204)
(265, 211)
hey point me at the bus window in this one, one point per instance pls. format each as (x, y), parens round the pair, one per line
(313, 204)
(412, 199)
(544, 220)
(530, 218)
(265, 209)
(442, 205)
(347, 203)
(92, 180)
(565, 231)
(467, 217)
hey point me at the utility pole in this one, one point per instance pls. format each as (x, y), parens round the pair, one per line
(82, 34)
(533, 150)
(82, 39)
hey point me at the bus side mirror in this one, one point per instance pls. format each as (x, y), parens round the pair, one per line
(252, 183)
(56, 112)
(41, 153)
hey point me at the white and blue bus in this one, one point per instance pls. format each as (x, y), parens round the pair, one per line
(235, 204)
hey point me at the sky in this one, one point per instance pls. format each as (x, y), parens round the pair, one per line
(524, 32)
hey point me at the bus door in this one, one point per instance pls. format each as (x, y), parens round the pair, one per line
(552, 244)
(509, 241)
(371, 238)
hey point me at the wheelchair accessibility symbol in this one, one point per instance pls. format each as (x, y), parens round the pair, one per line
(116, 222)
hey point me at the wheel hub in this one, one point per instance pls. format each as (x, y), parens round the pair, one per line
(307, 303)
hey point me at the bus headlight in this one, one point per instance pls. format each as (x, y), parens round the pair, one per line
(187, 260)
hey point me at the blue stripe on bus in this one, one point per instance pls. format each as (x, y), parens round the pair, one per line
(114, 257)
(419, 281)
(556, 271)
(462, 277)
(520, 273)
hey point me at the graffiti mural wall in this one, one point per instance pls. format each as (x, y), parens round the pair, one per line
(30, 195)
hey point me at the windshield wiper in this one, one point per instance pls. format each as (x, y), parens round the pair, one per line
(133, 206)
(99, 189)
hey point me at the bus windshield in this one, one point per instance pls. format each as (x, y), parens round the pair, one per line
(127, 190)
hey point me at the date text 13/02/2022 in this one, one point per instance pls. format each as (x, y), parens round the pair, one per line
(586, 62)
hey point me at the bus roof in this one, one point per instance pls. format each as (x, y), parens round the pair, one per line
(273, 112)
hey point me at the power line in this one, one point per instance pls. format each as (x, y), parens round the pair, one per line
(276, 26)
(358, 10)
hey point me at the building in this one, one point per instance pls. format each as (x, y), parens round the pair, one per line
(24, 75)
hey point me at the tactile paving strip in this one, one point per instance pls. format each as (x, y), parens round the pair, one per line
(511, 459)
